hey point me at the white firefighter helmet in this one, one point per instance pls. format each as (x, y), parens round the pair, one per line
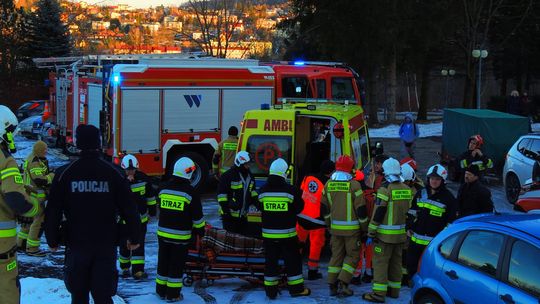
(8, 123)
(437, 170)
(130, 162)
(279, 167)
(391, 167)
(407, 172)
(241, 158)
(184, 167)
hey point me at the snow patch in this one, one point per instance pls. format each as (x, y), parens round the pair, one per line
(535, 127)
(392, 131)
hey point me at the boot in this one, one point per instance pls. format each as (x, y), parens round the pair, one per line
(36, 253)
(125, 273)
(22, 248)
(333, 289)
(357, 280)
(140, 275)
(367, 278)
(172, 300)
(304, 293)
(313, 274)
(344, 290)
(405, 280)
(271, 292)
(373, 297)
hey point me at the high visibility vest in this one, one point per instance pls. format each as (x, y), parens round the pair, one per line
(312, 190)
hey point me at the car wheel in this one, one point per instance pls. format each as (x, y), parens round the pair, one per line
(429, 299)
(513, 188)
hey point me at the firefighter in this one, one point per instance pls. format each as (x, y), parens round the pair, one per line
(91, 193)
(433, 208)
(236, 192)
(387, 233)
(345, 207)
(280, 205)
(475, 156)
(311, 222)
(223, 158)
(180, 215)
(145, 199)
(37, 180)
(14, 203)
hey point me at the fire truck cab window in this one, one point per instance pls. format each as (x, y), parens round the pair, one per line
(321, 88)
(342, 89)
(296, 87)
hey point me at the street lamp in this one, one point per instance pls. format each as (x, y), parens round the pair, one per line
(480, 54)
(447, 74)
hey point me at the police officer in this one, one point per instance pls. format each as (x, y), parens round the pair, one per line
(280, 204)
(387, 232)
(236, 192)
(345, 206)
(180, 213)
(13, 203)
(144, 196)
(37, 180)
(433, 208)
(223, 158)
(91, 193)
(311, 222)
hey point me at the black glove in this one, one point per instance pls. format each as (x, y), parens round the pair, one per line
(23, 220)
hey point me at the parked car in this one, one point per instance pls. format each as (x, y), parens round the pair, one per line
(486, 258)
(26, 127)
(31, 108)
(519, 164)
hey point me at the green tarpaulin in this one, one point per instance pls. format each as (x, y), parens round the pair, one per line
(499, 130)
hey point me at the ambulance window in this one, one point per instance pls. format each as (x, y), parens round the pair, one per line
(296, 87)
(342, 88)
(265, 149)
(321, 88)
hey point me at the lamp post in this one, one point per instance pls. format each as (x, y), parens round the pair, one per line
(480, 54)
(447, 73)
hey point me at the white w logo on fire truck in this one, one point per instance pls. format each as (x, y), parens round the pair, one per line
(193, 100)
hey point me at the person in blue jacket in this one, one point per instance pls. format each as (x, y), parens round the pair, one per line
(408, 133)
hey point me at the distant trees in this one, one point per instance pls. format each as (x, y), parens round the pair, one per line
(48, 36)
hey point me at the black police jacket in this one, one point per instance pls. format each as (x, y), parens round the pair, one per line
(474, 198)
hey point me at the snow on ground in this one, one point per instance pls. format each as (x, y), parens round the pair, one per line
(24, 148)
(392, 131)
(535, 127)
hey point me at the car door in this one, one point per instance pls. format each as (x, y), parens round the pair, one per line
(520, 281)
(471, 276)
(527, 159)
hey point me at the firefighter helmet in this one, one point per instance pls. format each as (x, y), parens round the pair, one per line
(407, 172)
(437, 170)
(410, 161)
(184, 167)
(8, 123)
(479, 140)
(130, 162)
(279, 167)
(391, 167)
(241, 158)
(344, 163)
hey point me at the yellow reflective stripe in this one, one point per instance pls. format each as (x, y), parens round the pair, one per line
(295, 281)
(33, 243)
(380, 287)
(138, 189)
(235, 213)
(419, 241)
(174, 197)
(338, 186)
(464, 164)
(489, 163)
(199, 224)
(333, 269)
(151, 202)
(174, 236)
(373, 226)
(38, 195)
(401, 194)
(349, 207)
(396, 285)
(123, 260)
(270, 283)
(5, 233)
(390, 213)
(32, 212)
(236, 186)
(382, 196)
(348, 268)
(358, 193)
(137, 262)
(329, 199)
(230, 146)
(21, 235)
(161, 282)
(390, 231)
(174, 284)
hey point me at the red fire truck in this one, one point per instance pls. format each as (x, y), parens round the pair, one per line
(161, 109)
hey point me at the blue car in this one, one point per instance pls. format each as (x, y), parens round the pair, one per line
(488, 258)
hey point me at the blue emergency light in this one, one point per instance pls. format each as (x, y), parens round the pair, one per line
(299, 63)
(116, 79)
(265, 106)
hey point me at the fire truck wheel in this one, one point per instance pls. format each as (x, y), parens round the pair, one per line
(199, 177)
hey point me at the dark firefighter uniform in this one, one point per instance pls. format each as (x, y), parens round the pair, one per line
(180, 212)
(13, 203)
(279, 204)
(37, 180)
(387, 228)
(223, 158)
(144, 197)
(348, 218)
(236, 192)
(430, 214)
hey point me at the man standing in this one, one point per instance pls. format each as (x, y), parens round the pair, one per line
(145, 199)
(310, 221)
(13, 203)
(280, 204)
(475, 156)
(224, 155)
(473, 197)
(433, 208)
(344, 204)
(408, 133)
(180, 213)
(91, 193)
(37, 180)
(236, 192)
(387, 232)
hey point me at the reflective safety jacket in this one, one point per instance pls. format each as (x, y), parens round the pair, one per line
(430, 214)
(483, 162)
(279, 204)
(144, 195)
(236, 192)
(312, 189)
(37, 177)
(180, 211)
(390, 213)
(13, 201)
(345, 207)
(224, 156)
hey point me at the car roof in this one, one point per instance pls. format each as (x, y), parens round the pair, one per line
(526, 223)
